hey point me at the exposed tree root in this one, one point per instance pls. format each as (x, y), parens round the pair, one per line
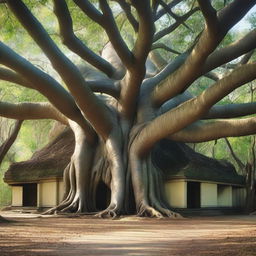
(106, 166)
(148, 211)
(110, 212)
(148, 185)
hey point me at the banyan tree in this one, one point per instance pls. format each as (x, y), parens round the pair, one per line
(120, 103)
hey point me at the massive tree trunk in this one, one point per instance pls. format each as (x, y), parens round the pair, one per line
(133, 99)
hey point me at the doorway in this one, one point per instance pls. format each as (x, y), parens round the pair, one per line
(30, 194)
(193, 194)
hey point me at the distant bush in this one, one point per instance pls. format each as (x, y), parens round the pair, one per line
(5, 191)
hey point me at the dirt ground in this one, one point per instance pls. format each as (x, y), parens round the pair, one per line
(31, 234)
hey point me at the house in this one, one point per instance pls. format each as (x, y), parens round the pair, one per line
(38, 182)
(191, 179)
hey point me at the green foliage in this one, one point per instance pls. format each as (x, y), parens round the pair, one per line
(34, 135)
(252, 20)
(14, 93)
(5, 191)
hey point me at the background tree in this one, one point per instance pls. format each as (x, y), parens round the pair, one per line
(130, 96)
(7, 144)
(247, 164)
(240, 150)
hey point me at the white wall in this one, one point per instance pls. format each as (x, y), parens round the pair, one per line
(209, 195)
(176, 193)
(17, 195)
(48, 194)
(60, 191)
(224, 195)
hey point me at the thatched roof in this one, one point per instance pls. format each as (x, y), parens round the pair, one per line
(176, 160)
(47, 163)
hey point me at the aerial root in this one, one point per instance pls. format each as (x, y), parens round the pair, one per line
(154, 203)
(107, 213)
(157, 212)
(111, 212)
(148, 211)
(72, 202)
(72, 207)
(60, 208)
(168, 213)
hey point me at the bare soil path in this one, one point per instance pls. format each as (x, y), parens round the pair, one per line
(78, 236)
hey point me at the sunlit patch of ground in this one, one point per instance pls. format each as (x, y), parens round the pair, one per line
(34, 235)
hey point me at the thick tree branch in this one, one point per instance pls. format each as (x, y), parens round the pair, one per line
(114, 35)
(74, 43)
(105, 86)
(192, 68)
(152, 83)
(45, 84)
(136, 73)
(111, 56)
(232, 14)
(201, 132)
(107, 21)
(145, 34)
(127, 9)
(174, 102)
(230, 52)
(231, 110)
(94, 110)
(13, 77)
(4, 148)
(90, 11)
(194, 109)
(208, 12)
(30, 111)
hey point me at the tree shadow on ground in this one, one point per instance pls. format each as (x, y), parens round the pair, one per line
(235, 246)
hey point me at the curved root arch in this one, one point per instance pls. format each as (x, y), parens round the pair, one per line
(93, 167)
(86, 170)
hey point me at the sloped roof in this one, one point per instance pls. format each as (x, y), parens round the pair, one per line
(176, 160)
(47, 163)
